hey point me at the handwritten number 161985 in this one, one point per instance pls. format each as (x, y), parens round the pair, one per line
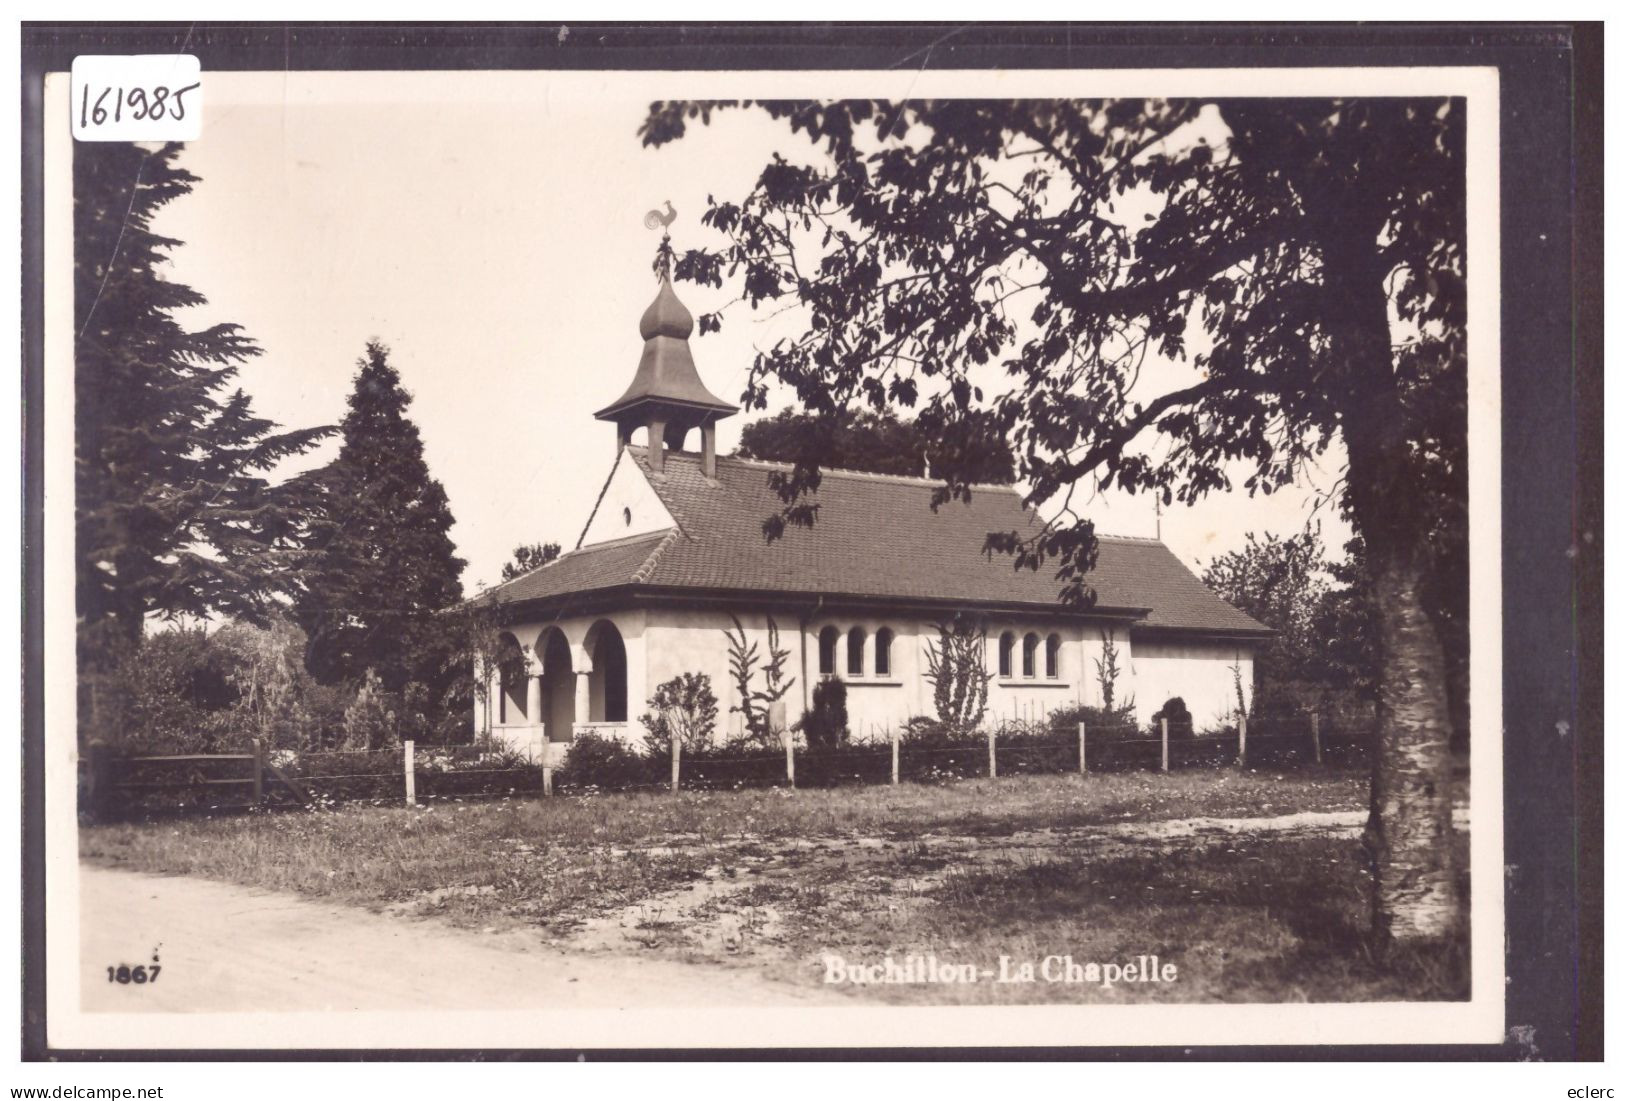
(141, 103)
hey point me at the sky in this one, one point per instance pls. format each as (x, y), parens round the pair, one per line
(489, 229)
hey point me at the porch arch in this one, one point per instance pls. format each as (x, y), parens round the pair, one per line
(558, 685)
(606, 681)
(512, 676)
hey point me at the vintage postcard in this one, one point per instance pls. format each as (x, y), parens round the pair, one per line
(761, 559)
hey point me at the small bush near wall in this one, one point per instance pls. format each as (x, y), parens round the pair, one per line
(684, 707)
(927, 731)
(1027, 747)
(1098, 722)
(739, 765)
(1180, 723)
(597, 761)
(924, 730)
(934, 752)
(825, 724)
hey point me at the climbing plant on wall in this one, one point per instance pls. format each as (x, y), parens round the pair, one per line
(756, 704)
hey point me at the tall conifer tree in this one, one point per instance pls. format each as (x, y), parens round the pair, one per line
(174, 514)
(386, 562)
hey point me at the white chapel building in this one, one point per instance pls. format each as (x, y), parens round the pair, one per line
(674, 551)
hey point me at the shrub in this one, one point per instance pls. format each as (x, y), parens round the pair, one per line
(1029, 729)
(1098, 721)
(684, 706)
(268, 671)
(369, 722)
(416, 719)
(320, 717)
(1178, 716)
(1034, 746)
(825, 724)
(173, 694)
(935, 751)
(924, 730)
(597, 761)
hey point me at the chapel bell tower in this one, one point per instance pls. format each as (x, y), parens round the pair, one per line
(666, 395)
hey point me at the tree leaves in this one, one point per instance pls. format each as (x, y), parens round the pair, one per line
(911, 232)
(964, 449)
(527, 557)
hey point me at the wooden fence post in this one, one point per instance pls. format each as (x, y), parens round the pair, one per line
(992, 756)
(1241, 752)
(1083, 759)
(259, 770)
(409, 766)
(547, 778)
(676, 757)
(1165, 745)
(790, 757)
(896, 756)
(1314, 732)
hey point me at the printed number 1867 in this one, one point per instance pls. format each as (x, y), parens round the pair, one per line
(140, 973)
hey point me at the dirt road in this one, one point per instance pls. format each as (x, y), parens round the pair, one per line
(222, 948)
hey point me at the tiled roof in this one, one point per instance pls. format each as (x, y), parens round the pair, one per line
(602, 566)
(875, 536)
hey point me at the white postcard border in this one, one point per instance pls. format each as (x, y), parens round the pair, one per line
(1480, 1020)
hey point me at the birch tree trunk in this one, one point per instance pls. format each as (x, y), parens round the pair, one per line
(1409, 835)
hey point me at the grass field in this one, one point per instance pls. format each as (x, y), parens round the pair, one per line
(776, 881)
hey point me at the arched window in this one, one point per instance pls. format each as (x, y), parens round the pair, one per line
(855, 639)
(1052, 657)
(1007, 654)
(883, 639)
(826, 650)
(1029, 656)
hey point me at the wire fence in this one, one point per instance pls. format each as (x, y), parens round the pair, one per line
(114, 787)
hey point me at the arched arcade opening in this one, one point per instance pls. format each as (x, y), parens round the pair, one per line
(558, 686)
(606, 684)
(512, 670)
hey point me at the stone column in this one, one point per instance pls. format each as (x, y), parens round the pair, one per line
(634, 635)
(533, 695)
(583, 696)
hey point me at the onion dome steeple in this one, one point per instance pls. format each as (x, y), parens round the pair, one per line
(666, 395)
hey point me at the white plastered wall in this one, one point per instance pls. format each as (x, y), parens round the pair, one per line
(694, 640)
(1203, 673)
(629, 506)
(663, 643)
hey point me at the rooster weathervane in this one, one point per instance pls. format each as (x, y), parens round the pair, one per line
(656, 220)
(663, 254)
